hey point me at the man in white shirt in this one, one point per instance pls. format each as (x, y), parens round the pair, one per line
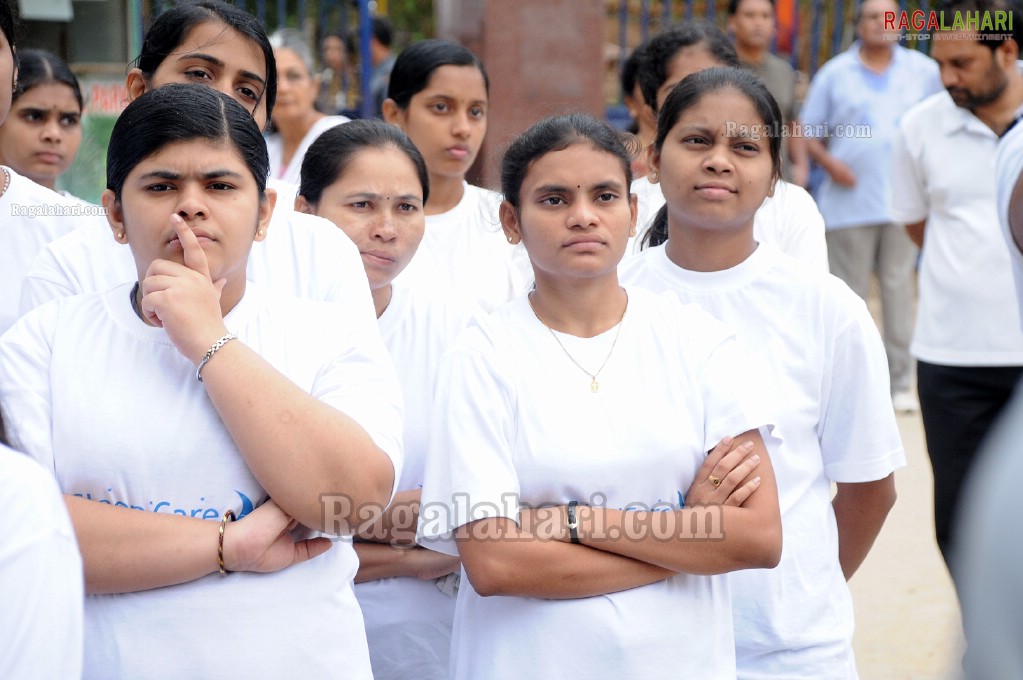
(867, 89)
(968, 340)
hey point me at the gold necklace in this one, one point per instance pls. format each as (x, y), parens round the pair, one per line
(594, 384)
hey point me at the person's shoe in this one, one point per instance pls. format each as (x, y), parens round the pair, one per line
(905, 402)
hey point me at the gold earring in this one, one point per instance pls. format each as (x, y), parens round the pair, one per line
(120, 235)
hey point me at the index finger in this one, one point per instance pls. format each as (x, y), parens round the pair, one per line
(195, 256)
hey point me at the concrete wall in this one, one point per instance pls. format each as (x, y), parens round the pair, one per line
(544, 57)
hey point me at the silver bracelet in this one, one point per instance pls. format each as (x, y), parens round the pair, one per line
(211, 351)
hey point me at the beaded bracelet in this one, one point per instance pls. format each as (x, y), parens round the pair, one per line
(211, 351)
(228, 516)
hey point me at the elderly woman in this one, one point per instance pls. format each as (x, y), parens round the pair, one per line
(296, 121)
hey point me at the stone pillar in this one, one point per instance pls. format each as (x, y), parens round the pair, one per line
(543, 57)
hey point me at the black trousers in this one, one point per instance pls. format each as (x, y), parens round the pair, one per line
(958, 404)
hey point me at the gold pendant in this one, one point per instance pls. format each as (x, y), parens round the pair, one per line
(594, 386)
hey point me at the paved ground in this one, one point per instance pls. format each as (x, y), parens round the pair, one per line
(907, 616)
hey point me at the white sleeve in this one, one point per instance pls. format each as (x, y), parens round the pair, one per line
(802, 233)
(858, 434)
(45, 280)
(25, 355)
(361, 382)
(470, 474)
(41, 577)
(909, 190)
(1009, 171)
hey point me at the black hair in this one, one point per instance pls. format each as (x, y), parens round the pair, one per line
(8, 23)
(172, 27)
(687, 94)
(631, 69)
(994, 36)
(733, 6)
(415, 66)
(555, 134)
(332, 152)
(39, 67)
(154, 120)
(381, 30)
(663, 47)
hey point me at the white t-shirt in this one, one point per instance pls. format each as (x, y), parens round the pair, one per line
(518, 422)
(944, 171)
(813, 340)
(41, 585)
(302, 256)
(1008, 166)
(30, 217)
(464, 254)
(408, 620)
(110, 405)
(275, 146)
(789, 220)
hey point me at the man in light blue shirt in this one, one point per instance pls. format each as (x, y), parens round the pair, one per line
(851, 116)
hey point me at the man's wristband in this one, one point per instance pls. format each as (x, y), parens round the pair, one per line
(573, 522)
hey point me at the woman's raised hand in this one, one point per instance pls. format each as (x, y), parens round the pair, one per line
(262, 542)
(183, 298)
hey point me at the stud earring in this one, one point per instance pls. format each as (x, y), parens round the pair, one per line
(120, 235)
(653, 176)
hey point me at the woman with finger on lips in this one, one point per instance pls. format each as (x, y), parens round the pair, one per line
(173, 408)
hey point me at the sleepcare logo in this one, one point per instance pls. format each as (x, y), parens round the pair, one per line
(640, 522)
(199, 510)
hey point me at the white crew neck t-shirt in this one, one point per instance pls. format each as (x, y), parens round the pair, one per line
(465, 255)
(789, 220)
(517, 422)
(114, 410)
(41, 585)
(302, 256)
(408, 620)
(817, 346)
(31, 216)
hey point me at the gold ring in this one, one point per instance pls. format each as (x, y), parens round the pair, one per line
(714, 480)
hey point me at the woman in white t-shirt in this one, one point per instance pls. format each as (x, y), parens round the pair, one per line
(370, 180)
(438, 94)
(41, 136)
(815, 343)
(30, 216)
(194, 395)
(568, 459)
(297, 123)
